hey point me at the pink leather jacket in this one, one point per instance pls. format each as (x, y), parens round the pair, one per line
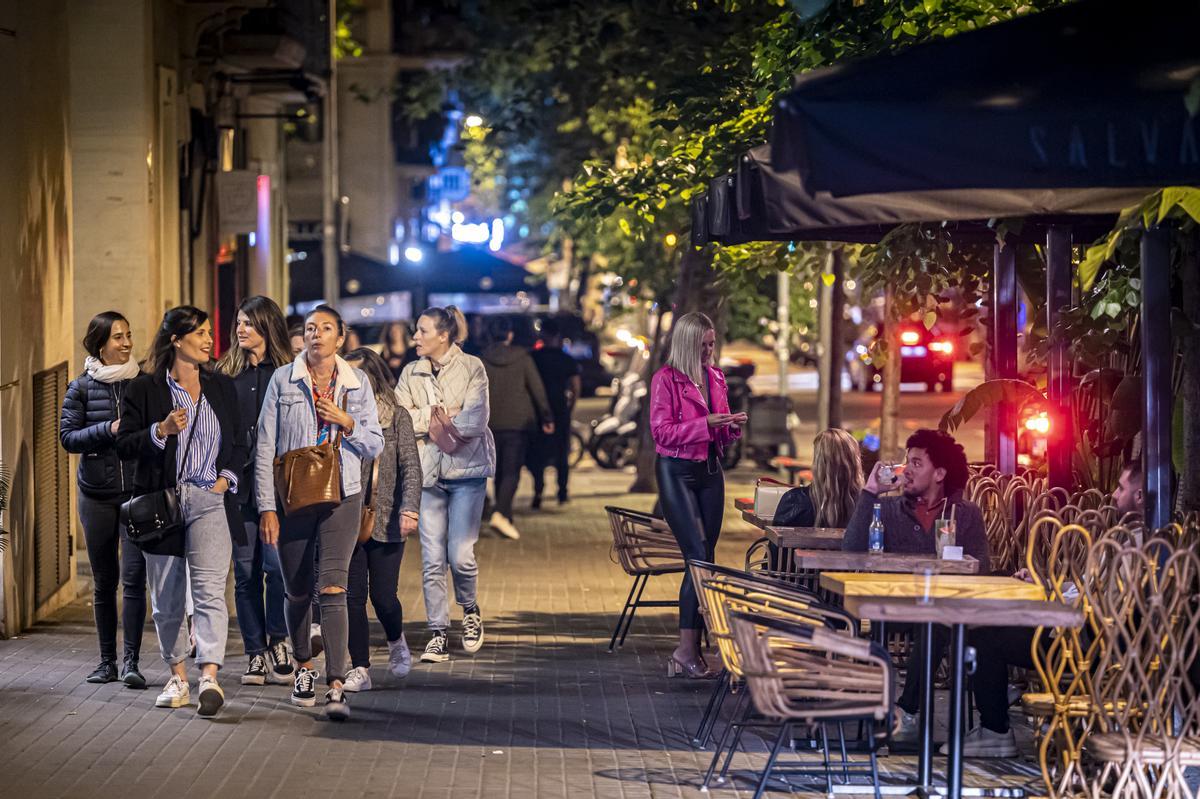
(679, 415)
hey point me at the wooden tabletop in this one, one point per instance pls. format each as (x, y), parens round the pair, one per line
(744, 503)
(944, 586)
(827, 560)
(826, 538)
(975, 612)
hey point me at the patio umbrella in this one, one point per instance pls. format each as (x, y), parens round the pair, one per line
(1091, 94)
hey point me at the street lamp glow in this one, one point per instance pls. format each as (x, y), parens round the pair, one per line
(473, 121)
(414, 254)
(671, 239)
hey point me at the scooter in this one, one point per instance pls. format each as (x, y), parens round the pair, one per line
(614, 439)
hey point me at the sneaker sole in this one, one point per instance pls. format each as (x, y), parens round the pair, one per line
(134, 681)
(301, 702)
(427, 658)
(280, 679)
(471, 649)
(402, 672)
(253, 679)
(173, 703)
(210, 702)
(99, 681)
(337, 712)
(348, 688)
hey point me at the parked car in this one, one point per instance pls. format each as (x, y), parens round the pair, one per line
(925, 357)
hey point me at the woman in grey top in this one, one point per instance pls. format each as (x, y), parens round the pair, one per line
(394, 491)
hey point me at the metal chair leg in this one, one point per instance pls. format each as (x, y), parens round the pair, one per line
(825, 763)
(784, 731)
(712, 712)
(716, 758)
(740, 717)
(633, 609)
(874, 761)
(612, 643)
(845, 761)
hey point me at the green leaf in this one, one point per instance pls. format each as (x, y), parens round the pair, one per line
(930, 320)
(1089, 268)
(1098, 310)
(624, 225)
(1113, 309)
(987, 395)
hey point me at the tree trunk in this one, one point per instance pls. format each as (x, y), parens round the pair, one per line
(645, 481)
(1189, 480)
(889, 409)
(832, 352)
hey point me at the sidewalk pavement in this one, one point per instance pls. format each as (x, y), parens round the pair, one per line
(541, 711)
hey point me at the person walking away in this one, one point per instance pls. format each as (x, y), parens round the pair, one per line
(262, 347)
(691, 426)
(562, 378)
(932, 482)
(446, 394)
(394, 489)
(181, 422)
(316, 399)
(518, 409)
(88, 424)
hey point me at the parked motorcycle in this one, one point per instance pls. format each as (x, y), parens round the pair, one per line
(614, 440)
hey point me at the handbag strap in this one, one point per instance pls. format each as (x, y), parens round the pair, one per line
(369, 491)
(337, 442)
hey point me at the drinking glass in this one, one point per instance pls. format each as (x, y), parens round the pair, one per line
(945, 535)
(926, 576)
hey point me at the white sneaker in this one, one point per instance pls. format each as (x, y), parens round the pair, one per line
(982, 742)
(211, 696)
(174, 694)
(503, 526)
(399, 657)
(359, 679)
(906, 727)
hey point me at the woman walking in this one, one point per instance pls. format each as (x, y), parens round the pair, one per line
(394, 491)
(446, 393)
(262, 347)
(318, 398)
(91, 416)
(691, 425)
(181, 422)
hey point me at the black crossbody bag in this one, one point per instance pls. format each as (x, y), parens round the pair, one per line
(151, 519)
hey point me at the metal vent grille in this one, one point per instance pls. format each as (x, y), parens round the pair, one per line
(51, 470)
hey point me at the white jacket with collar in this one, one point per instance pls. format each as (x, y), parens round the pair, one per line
(288, 421)
(460, 383)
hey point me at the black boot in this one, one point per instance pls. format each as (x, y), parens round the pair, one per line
(105, 672)
(130, 674)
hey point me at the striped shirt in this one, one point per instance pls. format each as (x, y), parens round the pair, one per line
(200, 468)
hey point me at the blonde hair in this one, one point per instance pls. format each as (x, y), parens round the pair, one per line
(837, 477)
(687, 336)
(448, 320)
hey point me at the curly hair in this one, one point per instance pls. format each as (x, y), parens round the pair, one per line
(945, 453)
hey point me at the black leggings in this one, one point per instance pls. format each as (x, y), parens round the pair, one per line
(105, 537)
(693, 503)
(374, 572)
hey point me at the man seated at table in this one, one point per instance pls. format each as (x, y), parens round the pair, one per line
(932, 482)
(998, 648)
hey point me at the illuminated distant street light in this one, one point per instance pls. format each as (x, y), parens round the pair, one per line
(414, 254)
(671, 240)
(473, 121)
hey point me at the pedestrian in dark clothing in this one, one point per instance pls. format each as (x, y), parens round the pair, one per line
(262, 347)
(396, 348)
(394, 487)
(91, 415)
(932, 482)
(518, 409)
(561, 376)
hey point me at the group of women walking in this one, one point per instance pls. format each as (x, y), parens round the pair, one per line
(304, 470)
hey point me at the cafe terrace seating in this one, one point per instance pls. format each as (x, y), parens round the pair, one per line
(644, 547)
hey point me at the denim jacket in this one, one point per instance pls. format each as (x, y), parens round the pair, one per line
(288, 421)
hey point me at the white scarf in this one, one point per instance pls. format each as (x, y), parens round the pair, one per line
(110, 373)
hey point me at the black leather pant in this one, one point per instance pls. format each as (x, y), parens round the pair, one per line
(693, 503)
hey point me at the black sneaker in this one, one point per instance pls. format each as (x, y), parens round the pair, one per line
(472, 637)
(336, 706)
(256, 671)
(105, 672)
(304, 688)
(438, 648)
(279, 658)
(131, 676)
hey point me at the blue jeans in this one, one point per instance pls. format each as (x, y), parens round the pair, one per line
(205, 565)
(260, 625)
(450, 514)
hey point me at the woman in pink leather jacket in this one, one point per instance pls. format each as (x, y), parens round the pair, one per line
(691, 425)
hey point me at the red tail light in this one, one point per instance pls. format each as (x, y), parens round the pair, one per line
(910, 337)
(1039, 423)
(942, 346)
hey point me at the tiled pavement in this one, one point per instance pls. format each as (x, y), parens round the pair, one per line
(542, 711)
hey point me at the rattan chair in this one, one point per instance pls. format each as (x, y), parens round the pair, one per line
(644, 547)
(808, 676)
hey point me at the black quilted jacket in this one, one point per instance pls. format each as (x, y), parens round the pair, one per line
(85, 429)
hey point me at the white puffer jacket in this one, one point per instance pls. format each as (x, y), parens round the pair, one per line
(460, 383)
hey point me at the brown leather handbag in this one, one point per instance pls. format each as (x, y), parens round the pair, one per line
(310, 478)
(366, 522)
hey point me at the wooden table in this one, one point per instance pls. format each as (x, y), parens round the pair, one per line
(957, 600)
(825, 560)
(824, 538)
(746, 506)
